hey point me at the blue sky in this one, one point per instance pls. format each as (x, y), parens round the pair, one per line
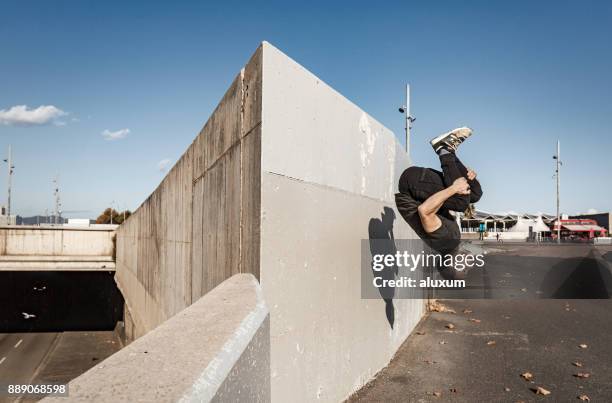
(522, 74)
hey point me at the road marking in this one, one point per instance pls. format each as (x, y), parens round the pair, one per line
(18, 343)
(2, 360)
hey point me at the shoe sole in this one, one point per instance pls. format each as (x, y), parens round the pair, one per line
(438, 139)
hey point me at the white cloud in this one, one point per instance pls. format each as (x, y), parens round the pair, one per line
(116, 135)
(20, 115)
(163, 165)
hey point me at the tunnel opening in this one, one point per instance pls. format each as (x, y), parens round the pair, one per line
(59, 301)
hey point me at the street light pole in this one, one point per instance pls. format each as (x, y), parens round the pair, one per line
(9, 160)
(558, 175)
(409, 119)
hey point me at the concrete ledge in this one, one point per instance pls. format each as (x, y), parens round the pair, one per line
(218, 349)
(42, 258)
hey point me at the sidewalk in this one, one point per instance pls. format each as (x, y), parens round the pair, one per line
(479, 353)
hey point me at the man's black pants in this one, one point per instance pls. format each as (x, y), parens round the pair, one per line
(421, 183)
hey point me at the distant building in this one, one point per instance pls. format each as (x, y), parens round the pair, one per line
(579, 228)
(602, 219)
(40, 220)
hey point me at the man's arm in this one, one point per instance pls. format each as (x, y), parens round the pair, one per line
(428, 209)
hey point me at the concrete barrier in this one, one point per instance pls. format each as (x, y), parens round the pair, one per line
(215, 350)
(329, 175)
(55, 241)
(284, 181)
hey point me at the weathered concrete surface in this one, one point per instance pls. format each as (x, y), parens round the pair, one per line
(56, 241)
(215, 350)
(56, 263)
(200, 226)
(284, 181)
(329, 173)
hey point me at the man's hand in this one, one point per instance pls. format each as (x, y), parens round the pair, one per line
(460, 186)
(471, 174)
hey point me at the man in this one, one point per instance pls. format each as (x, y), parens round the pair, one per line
(427, 196)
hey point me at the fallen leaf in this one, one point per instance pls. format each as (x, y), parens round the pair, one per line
(577, 364)
(450, 326)
(507, 389)
(583, 346)
(527, 376)
(582, 375)
(430, 361)
(435, 306)
(523, 289)
(584, 398)
(420, 333)
(474, 320)
(437, 394)
(467, 311)
(442, 342)
(491, 343)
(541, 391)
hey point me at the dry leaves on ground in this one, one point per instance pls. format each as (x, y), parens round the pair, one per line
(582, 375)
(474, 320)
(541, 391)
(420, 333)
(583, 345)
(437, 394)
(453, 390)
(491, 343)
(450, 326)
(527, 376)
(507, 389)
(577, 364)
(584, 398)
(442, 342)
(467, 310)
(435, 306)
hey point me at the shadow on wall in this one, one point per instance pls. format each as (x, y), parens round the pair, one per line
(382, 242)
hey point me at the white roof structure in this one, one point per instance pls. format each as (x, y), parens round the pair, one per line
(523, 224)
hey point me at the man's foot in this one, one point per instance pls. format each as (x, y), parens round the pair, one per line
(450, 141)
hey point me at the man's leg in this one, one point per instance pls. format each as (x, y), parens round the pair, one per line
(451, 171)
(475, 188)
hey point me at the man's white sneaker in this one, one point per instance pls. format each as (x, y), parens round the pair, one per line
(450, 141)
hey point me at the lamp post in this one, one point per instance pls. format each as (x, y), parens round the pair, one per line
(9, 161)
(558, 162)
(405, 109)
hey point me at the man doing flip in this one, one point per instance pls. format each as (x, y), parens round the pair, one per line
(426, 196)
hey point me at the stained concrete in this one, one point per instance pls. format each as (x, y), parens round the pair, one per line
(219, 346)
(284, 181)
(56, 241)
(329, 174)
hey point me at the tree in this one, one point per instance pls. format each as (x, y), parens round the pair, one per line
(118, 218)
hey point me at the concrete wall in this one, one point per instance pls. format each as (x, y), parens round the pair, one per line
(284, 181)
(58, 241)
(200, 226)
(215, 350)
(329, 170)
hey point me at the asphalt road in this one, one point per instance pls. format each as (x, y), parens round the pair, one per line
(35, 358)
(21, 355)
(528, 271)
(477, 349)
